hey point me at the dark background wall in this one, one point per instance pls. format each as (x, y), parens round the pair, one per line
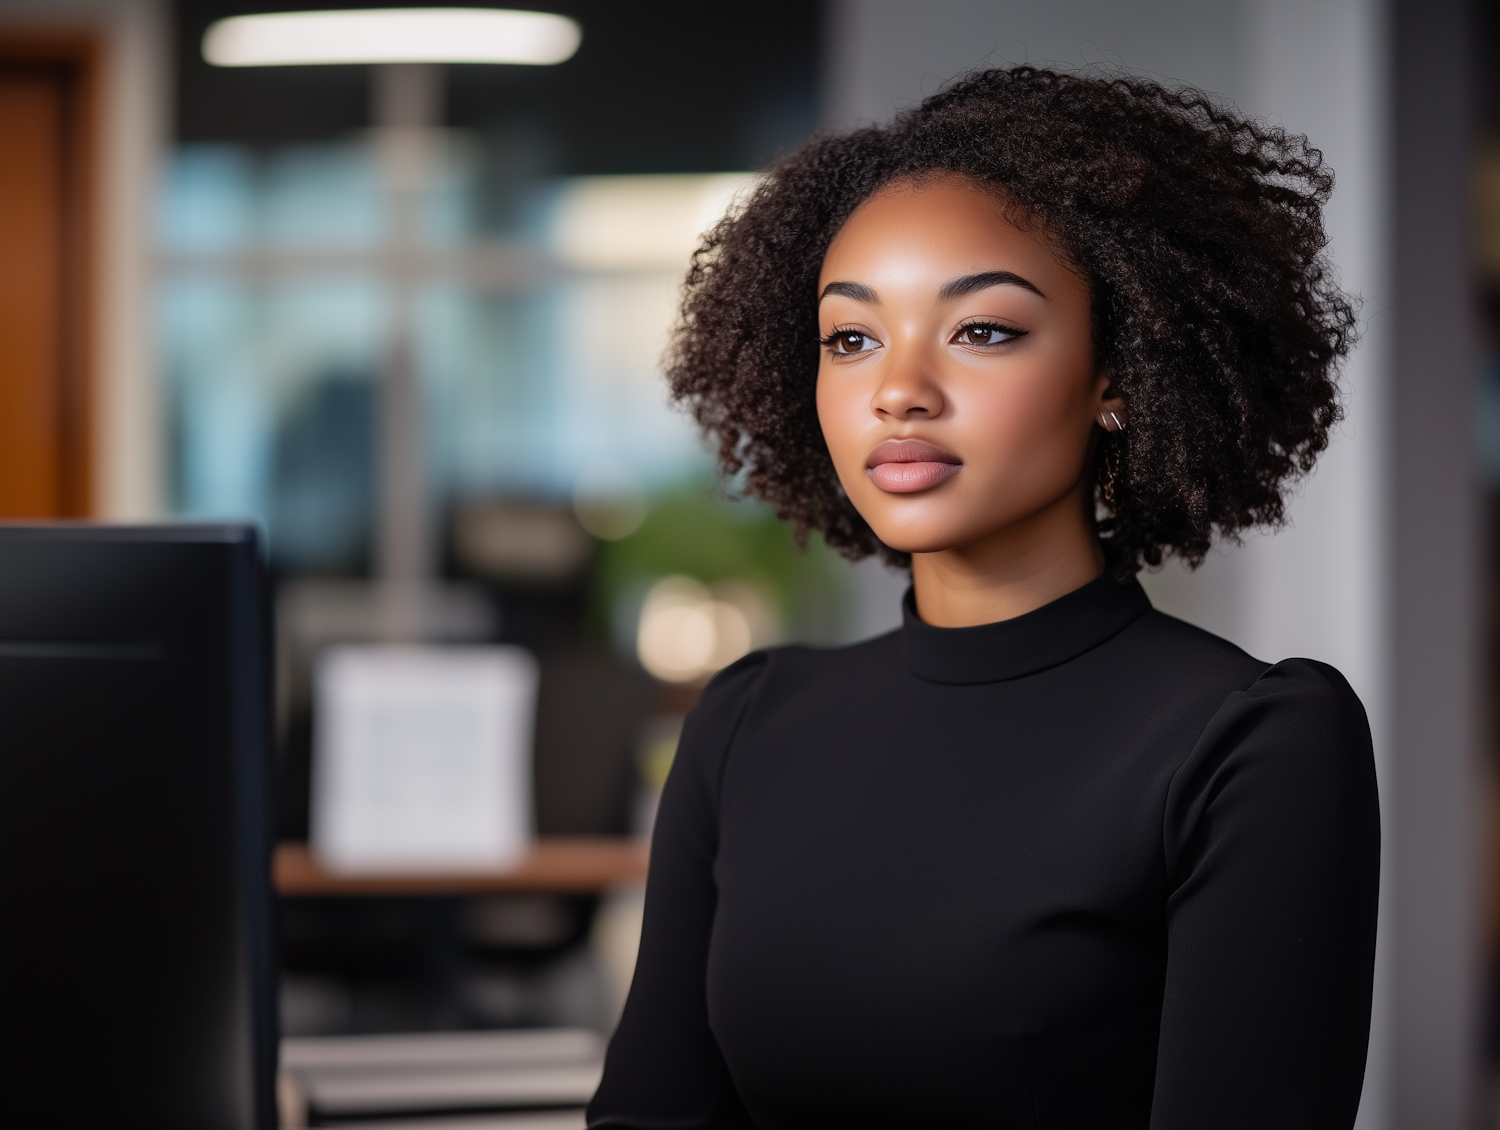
(673, 86)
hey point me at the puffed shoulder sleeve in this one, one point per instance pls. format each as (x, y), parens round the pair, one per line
(664, 1068)
(1272, 843)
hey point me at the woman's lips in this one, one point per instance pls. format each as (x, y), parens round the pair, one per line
(902, 466)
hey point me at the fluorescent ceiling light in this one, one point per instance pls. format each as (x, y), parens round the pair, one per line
(391, 35)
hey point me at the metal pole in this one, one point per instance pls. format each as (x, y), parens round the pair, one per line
(407, 101)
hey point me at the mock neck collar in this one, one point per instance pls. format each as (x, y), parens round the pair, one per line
(1042, 638)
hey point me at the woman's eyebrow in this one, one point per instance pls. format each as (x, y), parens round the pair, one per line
(983, 281)
(959, 287)
(857, 291)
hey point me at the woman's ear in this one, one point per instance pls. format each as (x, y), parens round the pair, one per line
(1113, 411)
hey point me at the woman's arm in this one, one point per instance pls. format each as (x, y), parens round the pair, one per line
(664, 1069)
(1272, 839)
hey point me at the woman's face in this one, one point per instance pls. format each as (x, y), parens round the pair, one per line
(957, 388)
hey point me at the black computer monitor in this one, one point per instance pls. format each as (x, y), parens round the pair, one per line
(135, 901)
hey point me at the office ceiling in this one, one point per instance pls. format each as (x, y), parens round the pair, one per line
(671, 86)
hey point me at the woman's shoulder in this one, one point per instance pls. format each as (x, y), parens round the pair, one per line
(1308, 697)
(1297, 715)
(730, 694)
(711, 723)
(1297, 684)
(1297, 732)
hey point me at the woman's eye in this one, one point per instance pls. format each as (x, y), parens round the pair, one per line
(850, 341)
(984, 334)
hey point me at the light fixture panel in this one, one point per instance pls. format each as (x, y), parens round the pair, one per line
(392, 35)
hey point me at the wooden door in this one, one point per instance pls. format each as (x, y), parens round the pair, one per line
(47, 90)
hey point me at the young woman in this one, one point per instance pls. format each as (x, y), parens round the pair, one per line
(1043, 857)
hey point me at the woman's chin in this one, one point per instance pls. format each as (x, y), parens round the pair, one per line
(904, 540)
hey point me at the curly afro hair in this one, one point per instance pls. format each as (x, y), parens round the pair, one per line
(1215, 311)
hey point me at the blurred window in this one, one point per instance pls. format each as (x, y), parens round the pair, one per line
(538, 336)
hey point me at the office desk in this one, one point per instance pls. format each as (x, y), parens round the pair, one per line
(556, 865)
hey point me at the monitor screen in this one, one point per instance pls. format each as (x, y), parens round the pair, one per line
(134, 840)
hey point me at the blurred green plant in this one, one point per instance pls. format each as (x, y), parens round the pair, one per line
(697, 531)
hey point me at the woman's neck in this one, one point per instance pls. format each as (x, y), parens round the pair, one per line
(1010, 571)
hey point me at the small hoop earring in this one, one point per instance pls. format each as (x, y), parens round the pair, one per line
(1118, 426)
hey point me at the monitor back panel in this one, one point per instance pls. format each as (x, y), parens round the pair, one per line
(134, 860)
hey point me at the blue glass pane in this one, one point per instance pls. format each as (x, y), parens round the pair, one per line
(222, 198)
(322, 196)
(207, 200)
(451, 204)
(527, 391)
(270, 387)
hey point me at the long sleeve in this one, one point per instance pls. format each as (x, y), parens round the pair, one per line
(664, 1068)
(1272, 843)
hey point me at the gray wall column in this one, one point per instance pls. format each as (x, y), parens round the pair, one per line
(1437, 613)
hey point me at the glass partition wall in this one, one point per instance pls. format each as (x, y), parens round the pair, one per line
(537, 344)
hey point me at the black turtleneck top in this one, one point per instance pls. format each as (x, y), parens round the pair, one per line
(1088, 868)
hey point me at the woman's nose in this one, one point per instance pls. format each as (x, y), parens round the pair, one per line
(907, 387)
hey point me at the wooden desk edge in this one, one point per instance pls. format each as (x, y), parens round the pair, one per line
(582, 865)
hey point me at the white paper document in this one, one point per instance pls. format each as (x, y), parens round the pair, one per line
(422, 758)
